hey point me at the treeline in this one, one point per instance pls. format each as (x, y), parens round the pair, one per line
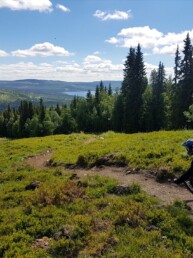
(164, 103)
(139, 106)
(90, 114)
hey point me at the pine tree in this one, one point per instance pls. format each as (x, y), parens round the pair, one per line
(101, 87)
(58, 110)
(184, 90)
(23, 116)
(42, 111)
(187, 62)
(147, 123)
(158, 98)
(118, 114)
(177, 67)
(133, 87)
(110, 92)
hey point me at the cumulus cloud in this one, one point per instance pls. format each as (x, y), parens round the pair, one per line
(92, 68)
(150, 38)
(116, 15)
(3, 53)
(63, 8)
(92, 59)
(33, 5)
(96, 67)
(113, 40)
(43, 49)
(150, 67)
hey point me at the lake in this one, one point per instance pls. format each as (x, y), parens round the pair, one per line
(78, 93)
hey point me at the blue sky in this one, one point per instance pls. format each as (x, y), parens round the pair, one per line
(88, 40)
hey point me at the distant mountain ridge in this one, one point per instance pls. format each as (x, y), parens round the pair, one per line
(52, 92)
(53, 87)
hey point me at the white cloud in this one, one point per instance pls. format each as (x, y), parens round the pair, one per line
(128, 37)
(90, 69)
(96, 53)
(149, 67)
(63, 8)
(43, 49)
(97, 66)
(112, 40)
(140, 32)
(92, 59)
(3, 53)
(116, 15)
(33, 5)
(165, 50)
(150, 38)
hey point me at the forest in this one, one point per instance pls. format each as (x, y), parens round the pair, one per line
(141, 105)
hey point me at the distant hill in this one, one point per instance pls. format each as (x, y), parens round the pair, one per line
(53, 87)
(52, 92)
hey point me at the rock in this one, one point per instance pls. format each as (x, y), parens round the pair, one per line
(42, 243)
(162, 176)
(120, 190)
(152, 227)
(64, 232)
(33, 185)
(73, 176)
(82, 184)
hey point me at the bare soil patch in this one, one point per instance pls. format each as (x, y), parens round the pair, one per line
(39, 161)
(166, 192)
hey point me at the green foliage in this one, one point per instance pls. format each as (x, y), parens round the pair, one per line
(82, 217)
(133, 89)
(158, 150)
(63, 247)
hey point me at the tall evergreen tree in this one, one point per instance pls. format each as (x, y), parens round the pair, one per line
(133, 87)
(147, 123)
(110, 92)
(42, 111)
(177, 66)
(184, 90)
(158, 98)
(101, 86)
(118, 114)
(24, 115)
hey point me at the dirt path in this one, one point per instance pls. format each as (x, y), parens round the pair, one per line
(166, 192)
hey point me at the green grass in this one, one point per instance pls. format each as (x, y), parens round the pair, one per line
(159, 150)
(81, 217)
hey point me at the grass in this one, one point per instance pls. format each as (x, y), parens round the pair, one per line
(82, 217)
(159, 150)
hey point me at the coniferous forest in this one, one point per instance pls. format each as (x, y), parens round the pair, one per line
(141, 105)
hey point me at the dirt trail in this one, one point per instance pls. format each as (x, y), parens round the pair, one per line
(166, 192)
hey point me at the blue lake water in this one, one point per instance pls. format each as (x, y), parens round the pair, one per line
(78, 93)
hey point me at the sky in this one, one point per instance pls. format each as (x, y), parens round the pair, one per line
(89, 40)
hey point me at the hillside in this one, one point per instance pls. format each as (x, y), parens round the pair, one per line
(13, 98)
(53, 92)
(53, 87)
(59, 198)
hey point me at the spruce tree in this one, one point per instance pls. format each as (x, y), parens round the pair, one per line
(177, 67)
(133, 87)
(158, 98)
(184, 90)
(110, 92)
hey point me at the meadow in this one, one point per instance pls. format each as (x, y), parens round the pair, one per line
(82, 217)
